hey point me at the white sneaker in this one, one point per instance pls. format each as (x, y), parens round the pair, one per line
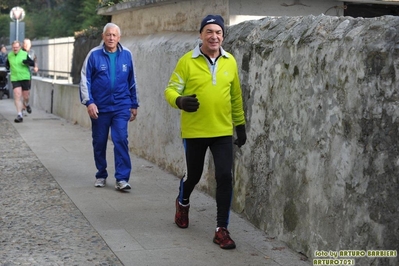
(122, 185)
(100, 182)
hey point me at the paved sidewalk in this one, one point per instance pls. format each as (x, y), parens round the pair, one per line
(51, 213)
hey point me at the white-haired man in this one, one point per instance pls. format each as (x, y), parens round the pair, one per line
(108, 90)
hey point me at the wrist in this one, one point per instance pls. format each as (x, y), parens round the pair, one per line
(178, 102)
(240, 127)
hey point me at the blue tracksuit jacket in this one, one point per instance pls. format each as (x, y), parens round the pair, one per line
(95, 84)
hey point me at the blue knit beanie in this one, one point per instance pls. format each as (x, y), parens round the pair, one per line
(212, 19)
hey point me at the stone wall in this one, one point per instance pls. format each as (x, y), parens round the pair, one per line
(319, 170)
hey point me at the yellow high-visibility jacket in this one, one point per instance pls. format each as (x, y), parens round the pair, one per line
(218, 90)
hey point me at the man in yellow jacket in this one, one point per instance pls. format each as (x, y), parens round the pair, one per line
(205, 86)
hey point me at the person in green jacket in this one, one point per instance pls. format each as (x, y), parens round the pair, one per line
(205, 86)
(18, 62)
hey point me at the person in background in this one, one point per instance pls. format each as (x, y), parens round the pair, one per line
(108, 90)
(18, 62)
(27, 44)
(3, 55)
(205, 86)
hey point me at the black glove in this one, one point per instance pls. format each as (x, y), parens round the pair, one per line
(188, 103)
(241, 136)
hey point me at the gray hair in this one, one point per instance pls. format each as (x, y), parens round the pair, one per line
(15, 42)
(112, 25)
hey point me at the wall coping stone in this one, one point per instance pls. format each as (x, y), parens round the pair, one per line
(133, 5)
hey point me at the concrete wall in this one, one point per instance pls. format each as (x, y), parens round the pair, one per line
(179, 16)
(138, 17)
(320, 167)
(59, 98)
(243, 10)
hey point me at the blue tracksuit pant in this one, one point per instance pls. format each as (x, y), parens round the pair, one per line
(117, 121)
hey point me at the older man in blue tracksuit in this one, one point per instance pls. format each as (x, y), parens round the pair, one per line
(108, 90)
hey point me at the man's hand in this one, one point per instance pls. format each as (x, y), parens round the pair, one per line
(188, 103)
(92, 111)
(241, 136)
(133, 114)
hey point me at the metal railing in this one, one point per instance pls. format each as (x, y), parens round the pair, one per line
(53, 74)
(54, 57)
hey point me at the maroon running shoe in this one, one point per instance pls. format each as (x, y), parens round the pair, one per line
(181, 216)
(222, 238)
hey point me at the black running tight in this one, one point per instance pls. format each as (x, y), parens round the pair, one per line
(222, 152)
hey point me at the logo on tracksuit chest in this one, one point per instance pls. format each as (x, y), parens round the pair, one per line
(103, 67)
